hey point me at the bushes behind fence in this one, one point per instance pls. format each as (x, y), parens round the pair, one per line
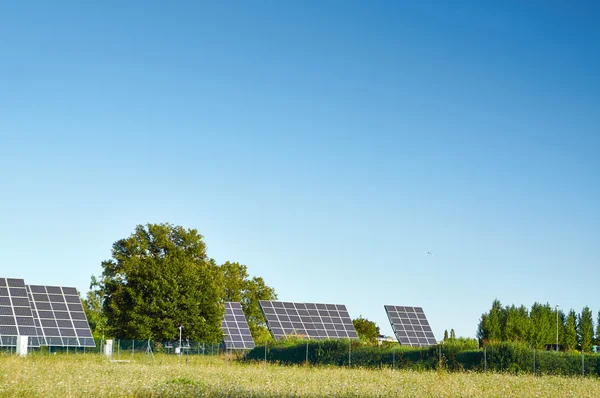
(501, 357)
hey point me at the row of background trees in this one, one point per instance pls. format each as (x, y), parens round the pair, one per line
(160, 278)
(537, 327)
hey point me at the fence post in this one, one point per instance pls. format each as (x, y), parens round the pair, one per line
(534, 362)
(119, 349)
(349, 353)
(132, 348)
(485, 359)
(393, 358)
(582, 363)
(307, 354)
(265, 353)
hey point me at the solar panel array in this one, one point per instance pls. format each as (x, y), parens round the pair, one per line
(311, 320)
(410, 326)
(235, 327)
(15, 313)
(59, 316)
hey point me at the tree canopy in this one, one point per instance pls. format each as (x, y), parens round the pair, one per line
(585, 329)
(537, 327)
(366, 330)
(160, 278)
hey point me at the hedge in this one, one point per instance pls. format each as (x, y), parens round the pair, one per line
(500, 357)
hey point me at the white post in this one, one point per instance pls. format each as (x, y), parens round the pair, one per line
(108, 348)
(22, 342)
(180, 347)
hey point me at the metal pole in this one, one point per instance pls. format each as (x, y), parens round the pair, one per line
(534, 361)
(349, 352)
(556, 327)
(393, 358)
(119, 349)
(306, 354)
(265, 353)
(132, 347)
(485, 359)
(582, 364)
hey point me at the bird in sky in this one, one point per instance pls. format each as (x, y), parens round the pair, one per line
(429, 253)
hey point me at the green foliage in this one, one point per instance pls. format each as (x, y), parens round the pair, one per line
(510, 357)
(445, 334)
(367, 330)
(570, 342)
(241, 288)
(517, 324)
(452, 335)
(585, 329)
(536, 328)
(490, 325)
(158, 279)
(462, 343)
(92, 305)
(543, 325)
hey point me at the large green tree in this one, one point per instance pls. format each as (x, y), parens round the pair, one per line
(490, 325)
(158, 279)
(585, 329)
(366, 330)
(570, 342)
(517, 325)
(240, 287)
(543, 323)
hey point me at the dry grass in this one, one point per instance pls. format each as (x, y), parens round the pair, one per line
(89, 375)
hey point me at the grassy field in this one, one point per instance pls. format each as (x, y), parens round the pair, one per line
(168, 376)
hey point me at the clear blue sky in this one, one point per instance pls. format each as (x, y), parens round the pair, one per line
(326, 145)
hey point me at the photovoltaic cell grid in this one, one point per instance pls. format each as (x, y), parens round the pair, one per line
(235, 327)
(15, 313)
(59, 316)
(410, 326)
(311, 320)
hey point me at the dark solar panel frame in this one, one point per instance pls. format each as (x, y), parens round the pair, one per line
(235, 328)
(410, 326)
(59, 316)
(309, 320)
(16, 318)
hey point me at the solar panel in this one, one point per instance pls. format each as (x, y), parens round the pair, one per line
(16, 318)
(410, 326)
(310, 320)
(59, 316)
(235, 327)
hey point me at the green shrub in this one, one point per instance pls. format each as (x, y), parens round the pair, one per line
(501, 357)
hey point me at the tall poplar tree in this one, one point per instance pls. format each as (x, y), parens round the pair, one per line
(570, 342)
(585, 329)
